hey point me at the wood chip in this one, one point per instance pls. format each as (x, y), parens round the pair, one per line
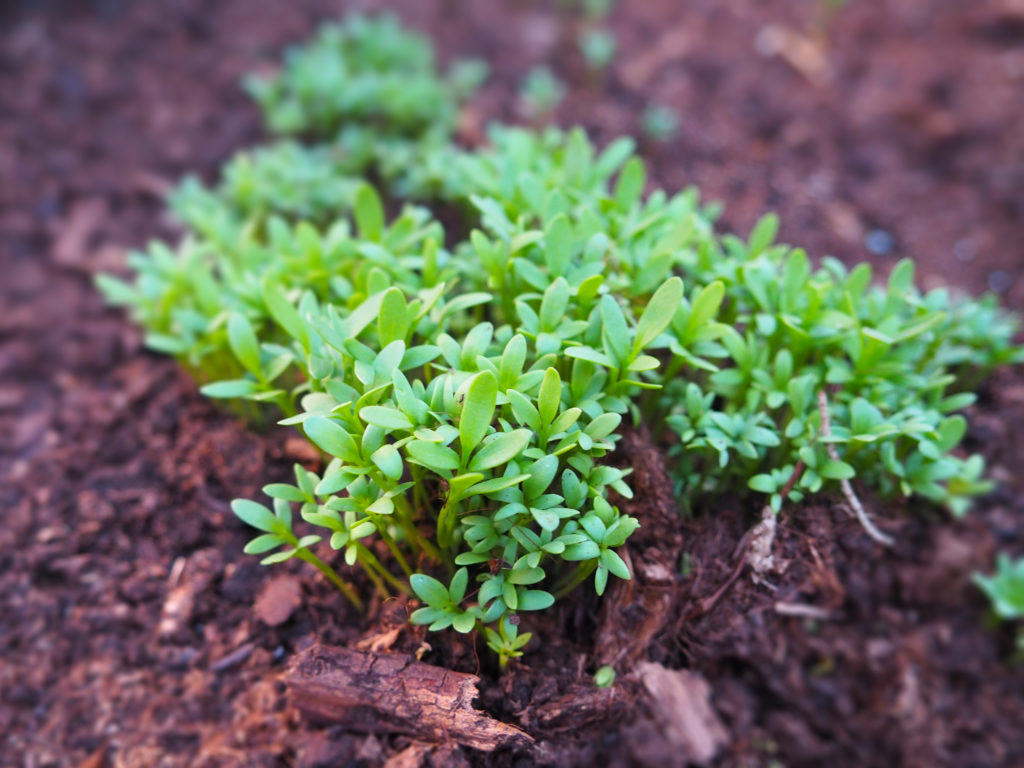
(392, 693)
(762, 537)
(189, 577)
(422, 755)
(278, 600)
(84, 220)
(802, 611)
(680, 701)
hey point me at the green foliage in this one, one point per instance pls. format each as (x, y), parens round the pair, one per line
(597, 9)
(890, 358)
(1005, 588)
(367, 74)
(540, 93)
(1005, 591)
(659, 122)
(284, 179)
(467, 390)
(598, 47)
(604, 677)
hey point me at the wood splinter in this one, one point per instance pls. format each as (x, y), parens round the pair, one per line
(851, 497)
(393, 693)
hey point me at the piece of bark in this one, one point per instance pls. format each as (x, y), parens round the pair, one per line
(391, 693)
(579, 707)
(422, 755)
(680, 703)
(189, 577)
(634, 612)
(278, 600)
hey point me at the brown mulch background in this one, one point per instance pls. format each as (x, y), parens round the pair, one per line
(128, 632)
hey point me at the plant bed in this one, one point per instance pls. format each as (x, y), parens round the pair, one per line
(136, 641)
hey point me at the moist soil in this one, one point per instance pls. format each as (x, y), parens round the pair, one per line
(133, 632)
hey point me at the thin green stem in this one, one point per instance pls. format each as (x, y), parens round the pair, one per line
(395, 551)
(446, 525)
(406, 521)
(370, 561)
(332, 575)
(577, 576)
(372, 575)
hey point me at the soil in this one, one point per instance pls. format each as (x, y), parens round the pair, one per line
(134, 633)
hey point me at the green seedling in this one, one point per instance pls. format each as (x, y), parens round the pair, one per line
(1005, 591)
(598, 48)
(540, 93)
(659, 123)
(605, 677)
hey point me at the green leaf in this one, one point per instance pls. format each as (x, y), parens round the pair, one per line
(603, 425)
(630, 184)
(550, 398)
(763, 234)
(558, 245)
(284, 491)
(279, 557)
(256, 515)
(535, 600)
(615, 564)
(836, 470)
(369, 213)
(901, 279)
(500, 449)
(389, 461)
(332, 438)
(385, 417)
(615, 332)
(464, 623)
(584, 550)
(495, 484)
(542, 472)
(512, 360)
(457, 589)
(604, 677)
(763, 484)
(244, 344)
(264, 543)
(591, 355)
(553, 306)
(547, 519)
(430, 590)
(229, 389)
(706, 305)
(477, 411)
(393, 320)
(524, 410)
(658, 313)
(433, 456)
(285, 314)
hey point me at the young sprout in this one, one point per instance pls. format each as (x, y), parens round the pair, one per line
(1005, 591)
(605, 677)
(540, 93)
(659, 122)
(598, 47)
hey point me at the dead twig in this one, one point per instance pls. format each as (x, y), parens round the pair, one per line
(393, 693)
(802, 611)
(762, 537)
(706, 604)
(851, 497)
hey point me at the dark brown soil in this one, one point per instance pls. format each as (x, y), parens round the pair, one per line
(133, 632)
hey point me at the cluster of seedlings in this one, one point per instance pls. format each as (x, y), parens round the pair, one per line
(467, 383)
